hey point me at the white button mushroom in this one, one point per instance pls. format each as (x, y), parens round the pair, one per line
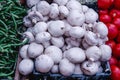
(35, 16)
(93, 52)
(91, 16)
(42, 37)
(56, 28)
(63, 11)
(55, 53)
(23, 51)
(77, 69)
(39, 27)
(31, 3)
(76, 18)
(57, 41)
(43, 7)
(89, 68)
(75, 55)
(35, 50)
(54, 11)
(43, 63)
(91, 38)
(74, 5)
(26, 66)
(61, 2)
(27, 22)
(85, 45)
(55, 69)
(101, 29)
(29, 35)
(77, 32)
(106, 52)
(66, 68)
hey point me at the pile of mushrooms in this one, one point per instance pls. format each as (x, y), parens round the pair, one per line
(64, 37)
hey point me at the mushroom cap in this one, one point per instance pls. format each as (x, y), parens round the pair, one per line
(43, 63)
(26, 66)
(43, 7)
(75, 55)
(23, 51)
(76, 18)
(56, 28)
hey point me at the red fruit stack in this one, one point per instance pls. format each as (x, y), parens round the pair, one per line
(109, 13)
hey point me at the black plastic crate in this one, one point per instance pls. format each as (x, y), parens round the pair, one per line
(99, 76)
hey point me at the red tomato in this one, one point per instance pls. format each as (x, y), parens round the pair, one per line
(116, 21)
(114, 13)
(115, 73)
(102, 12)
(116, 51)
(117, 4)
(105, 18)
(113, 61)
(112, 31)
(111, 43)
(104, 4)
(118, 37)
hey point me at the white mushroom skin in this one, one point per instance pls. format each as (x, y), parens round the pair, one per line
(31, 3)
(61, 2)
(46, 44)
(35, 17)
(57, 41)
(43, 7)
(74, 5)
(54, 11)
(43, 63)
(106, 52)
(91, 38)
(42, 37)
(66, 71)
(29, 35)
(89, 68)
(76, 18)
(77, 32)
(27, 22)
(40, 27)
(35, 50)
(91, 16)
(84, 8)
(63, 11)
(55, 53)
(56, 28)
(93, 52)
(75, 55)
(85, 45)
(101, 29)
(23, 51)
(74, 43)
(78, 69)
(26, 66)
(55, 69)
(67, 28)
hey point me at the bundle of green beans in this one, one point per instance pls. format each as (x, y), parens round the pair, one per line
(11, 16)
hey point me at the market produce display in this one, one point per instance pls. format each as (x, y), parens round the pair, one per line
(109, 13)
(65, 37)
(11, 15)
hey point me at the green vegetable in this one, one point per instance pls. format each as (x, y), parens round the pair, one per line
(11, 16)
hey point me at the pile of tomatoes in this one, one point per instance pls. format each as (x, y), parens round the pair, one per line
(109, 13)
